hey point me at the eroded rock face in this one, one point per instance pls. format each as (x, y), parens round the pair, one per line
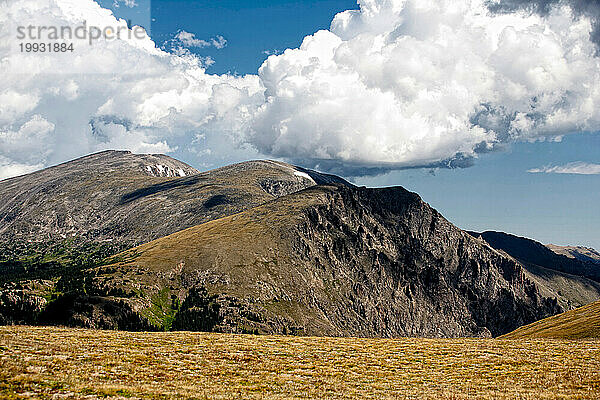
(337, 261)
(556, 258)
(22, 303)
(409, 272)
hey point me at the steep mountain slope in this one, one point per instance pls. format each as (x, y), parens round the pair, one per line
(328, 260)
(571, 290)
(57, 222)
(585, 254)
(581, 323)
(531, 252)
(573, 282)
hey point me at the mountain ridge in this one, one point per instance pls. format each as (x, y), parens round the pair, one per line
(259, 246)
(400, 298)
(531, 252)
(136, 198)
(581, 253)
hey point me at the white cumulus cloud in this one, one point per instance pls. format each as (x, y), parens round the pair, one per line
(8, 168)
(577, 167)
(405, 83)
(189, 39)
(126, 3)
(112, 94)
(396, 84)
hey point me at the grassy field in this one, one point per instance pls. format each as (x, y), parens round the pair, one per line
(581, 323)
(74, 363)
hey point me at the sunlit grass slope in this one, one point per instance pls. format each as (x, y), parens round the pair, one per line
(581, 323)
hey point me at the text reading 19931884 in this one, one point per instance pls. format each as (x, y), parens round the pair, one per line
(46, 47)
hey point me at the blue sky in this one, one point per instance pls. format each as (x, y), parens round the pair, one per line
(497, 193)
(250, 27)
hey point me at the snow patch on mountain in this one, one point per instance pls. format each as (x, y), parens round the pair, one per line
(304, 175)
(160, 170)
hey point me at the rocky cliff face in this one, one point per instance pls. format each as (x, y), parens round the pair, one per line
(573, 281)
(334, 261)
(413, 273)
(255, 247)
(531, 252)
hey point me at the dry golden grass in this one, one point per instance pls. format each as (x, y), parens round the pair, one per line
(75, 363)
(581, 323)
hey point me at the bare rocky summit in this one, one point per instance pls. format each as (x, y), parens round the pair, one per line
(132, 198)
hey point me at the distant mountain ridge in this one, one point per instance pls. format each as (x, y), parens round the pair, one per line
(259, 246)
(585, 254)
(134, 198)
(573, 282)
(531, 252)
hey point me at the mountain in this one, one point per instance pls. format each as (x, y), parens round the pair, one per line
(572, 281)
(581, 323)
(531, 252)
(335, 260)
(78, 213)
(129, 198)
(585, 254)
(259, 246)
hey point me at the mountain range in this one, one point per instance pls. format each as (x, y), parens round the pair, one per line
(145, 242)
